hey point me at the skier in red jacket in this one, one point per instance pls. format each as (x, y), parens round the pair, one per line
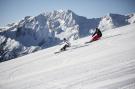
(96, 36)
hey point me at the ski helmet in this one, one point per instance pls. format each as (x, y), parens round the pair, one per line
(64, 39)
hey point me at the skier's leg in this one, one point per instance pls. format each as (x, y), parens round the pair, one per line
(63, 48)
(96, 37)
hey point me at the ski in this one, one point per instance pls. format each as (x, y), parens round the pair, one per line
(59, 52)
(87, 42)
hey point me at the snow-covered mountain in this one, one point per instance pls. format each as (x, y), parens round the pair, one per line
(108, 63)
(115, 20)
(49, 28)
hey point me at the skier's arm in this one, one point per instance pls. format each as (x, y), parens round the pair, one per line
(94, 33)
(61, 43)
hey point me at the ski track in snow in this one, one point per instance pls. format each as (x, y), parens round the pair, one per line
(105, 64)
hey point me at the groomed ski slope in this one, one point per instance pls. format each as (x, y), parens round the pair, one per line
(105, 64)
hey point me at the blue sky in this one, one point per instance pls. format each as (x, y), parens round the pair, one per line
(15, 10)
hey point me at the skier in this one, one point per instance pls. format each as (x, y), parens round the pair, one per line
(96, 36)
(66, 44)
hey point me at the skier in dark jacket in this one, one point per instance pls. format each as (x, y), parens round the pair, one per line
(66, 44)
(96, 36)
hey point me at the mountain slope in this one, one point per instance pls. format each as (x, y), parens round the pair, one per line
(48, 29)
(105, 64)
